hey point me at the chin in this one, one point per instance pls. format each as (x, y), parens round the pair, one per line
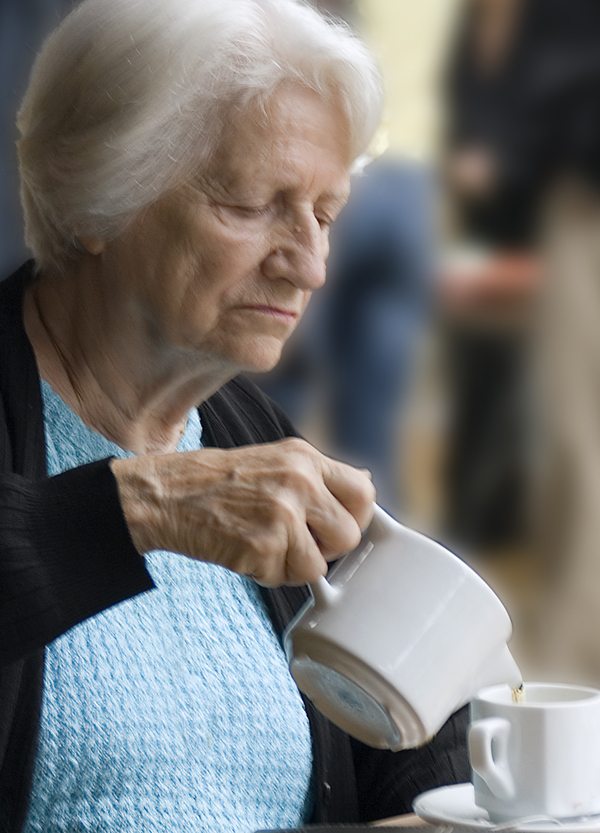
(262, 361)
(261, 364)
(258, 356)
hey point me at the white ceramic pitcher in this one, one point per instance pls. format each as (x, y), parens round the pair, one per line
(401, 635)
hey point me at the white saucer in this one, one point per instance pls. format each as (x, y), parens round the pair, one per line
(456, 806)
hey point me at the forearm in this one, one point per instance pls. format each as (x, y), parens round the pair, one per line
(65, 555)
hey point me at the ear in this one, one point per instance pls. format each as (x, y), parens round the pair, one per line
(92, 245)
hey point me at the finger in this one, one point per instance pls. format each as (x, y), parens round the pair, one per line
(297, 562)
(353, 488)
(335, 530)
(304, 560)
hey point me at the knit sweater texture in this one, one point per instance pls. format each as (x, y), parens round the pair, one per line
(146, 700)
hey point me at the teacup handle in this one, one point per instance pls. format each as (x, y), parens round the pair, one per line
(488, 752)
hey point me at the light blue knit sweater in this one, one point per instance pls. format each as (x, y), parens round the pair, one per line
(173, 711)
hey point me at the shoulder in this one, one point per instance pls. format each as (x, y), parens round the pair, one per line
(12, 290)
(241, 414)
(21, 427)
(17, 365)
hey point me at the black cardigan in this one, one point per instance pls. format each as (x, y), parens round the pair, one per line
(66, 554)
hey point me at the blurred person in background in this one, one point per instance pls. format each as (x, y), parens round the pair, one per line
(488, 281)
(563, 98)
(350, 364)
(181, 164)
(526, 80)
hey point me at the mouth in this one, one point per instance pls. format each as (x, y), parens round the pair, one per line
(280, 313)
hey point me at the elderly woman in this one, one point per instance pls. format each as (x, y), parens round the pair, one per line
(181, 164)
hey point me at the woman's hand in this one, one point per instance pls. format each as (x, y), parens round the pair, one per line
(277, 511)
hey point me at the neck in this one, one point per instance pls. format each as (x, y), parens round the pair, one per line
(96, 349)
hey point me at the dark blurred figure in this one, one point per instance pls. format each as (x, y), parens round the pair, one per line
(565, 114)
(523, 114)
(23, 25)
(353, 354)
(494, 193)
(533, 185)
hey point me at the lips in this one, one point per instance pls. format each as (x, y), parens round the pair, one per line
(268, 309)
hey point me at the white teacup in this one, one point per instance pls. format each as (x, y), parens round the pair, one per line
(401, 635)
(540, 756)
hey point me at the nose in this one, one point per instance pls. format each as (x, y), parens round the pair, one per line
(299, 254)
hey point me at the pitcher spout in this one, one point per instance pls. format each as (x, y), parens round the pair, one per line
(499, 668)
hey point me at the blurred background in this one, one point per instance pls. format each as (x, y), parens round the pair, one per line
(455, 350)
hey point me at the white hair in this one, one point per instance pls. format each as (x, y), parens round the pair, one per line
(128, 98)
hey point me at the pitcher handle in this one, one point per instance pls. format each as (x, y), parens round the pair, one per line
(324, 593)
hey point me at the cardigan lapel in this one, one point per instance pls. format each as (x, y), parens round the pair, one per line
(18, 372)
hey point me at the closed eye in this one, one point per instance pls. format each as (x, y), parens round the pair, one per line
(253, 210)
(324, 222)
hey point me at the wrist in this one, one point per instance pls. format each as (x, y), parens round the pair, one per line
(138, 495)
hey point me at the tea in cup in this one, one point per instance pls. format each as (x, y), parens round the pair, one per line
(538, 754)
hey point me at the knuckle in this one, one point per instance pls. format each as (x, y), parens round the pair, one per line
(301, 479)
(295, 446)
(282, 510)
(300, 452)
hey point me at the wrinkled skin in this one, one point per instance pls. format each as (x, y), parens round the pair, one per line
(276, 511)
(209, 281)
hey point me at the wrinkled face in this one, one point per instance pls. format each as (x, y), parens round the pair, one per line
(226, 264)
